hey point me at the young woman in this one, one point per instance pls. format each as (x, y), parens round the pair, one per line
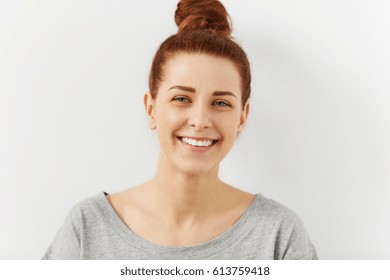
(198, 103)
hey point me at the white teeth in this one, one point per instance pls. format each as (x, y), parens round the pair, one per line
(193, 142)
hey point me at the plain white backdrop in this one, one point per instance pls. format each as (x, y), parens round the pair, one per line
(72, 122)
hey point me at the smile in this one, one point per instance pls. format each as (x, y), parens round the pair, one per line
(197, 143)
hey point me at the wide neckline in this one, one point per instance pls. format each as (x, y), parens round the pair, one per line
(199, 251)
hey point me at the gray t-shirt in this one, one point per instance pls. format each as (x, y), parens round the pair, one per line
(267, 230)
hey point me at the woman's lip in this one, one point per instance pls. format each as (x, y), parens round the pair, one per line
(198, 148)
(197, 138)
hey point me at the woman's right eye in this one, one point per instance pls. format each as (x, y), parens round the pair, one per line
(181, 99)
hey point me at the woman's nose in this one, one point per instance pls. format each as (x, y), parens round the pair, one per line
(199, 117)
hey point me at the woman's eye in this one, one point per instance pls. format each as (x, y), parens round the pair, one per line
(221, 103)
(181, 99)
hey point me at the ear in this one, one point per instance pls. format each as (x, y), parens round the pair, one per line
(243, 118)
(149, 103)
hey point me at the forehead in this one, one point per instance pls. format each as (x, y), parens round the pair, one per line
(202, 71)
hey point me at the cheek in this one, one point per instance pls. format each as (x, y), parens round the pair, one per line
(167, 122)
(230, 125)
(229, 132)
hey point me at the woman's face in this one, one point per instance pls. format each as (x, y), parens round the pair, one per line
(197, 112)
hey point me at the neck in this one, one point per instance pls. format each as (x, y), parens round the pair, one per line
(182, 196)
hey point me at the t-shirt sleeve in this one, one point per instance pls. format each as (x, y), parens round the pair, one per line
(299, 245)
(66, 244)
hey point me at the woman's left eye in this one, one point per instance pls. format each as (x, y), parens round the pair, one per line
(221, 103)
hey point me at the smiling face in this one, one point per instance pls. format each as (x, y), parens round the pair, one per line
(197, 112)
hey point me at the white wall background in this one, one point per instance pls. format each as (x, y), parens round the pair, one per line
(72, 78)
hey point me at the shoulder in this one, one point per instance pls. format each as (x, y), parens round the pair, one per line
(89, 215)
(70, 240)
(266, 208)
(88, 210)
(284, 229)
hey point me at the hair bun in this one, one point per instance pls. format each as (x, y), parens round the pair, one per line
(203, 15)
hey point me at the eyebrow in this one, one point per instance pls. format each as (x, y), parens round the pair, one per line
(191, 89)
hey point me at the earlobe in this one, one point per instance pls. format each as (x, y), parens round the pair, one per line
(149, 108)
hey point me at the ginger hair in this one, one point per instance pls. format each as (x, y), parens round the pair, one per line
(204, 26)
